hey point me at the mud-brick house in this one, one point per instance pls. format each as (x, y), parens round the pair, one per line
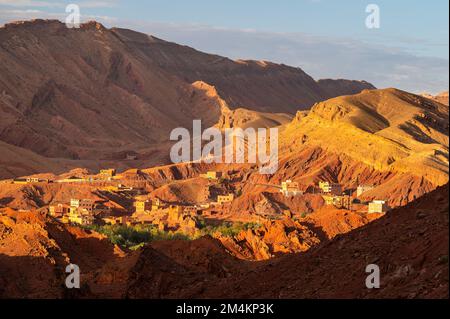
(142, 206)
(80, 216)
(290, 188)
(58, 210)
(225, 199)
(192, 210)
(378, 207)
(157, 204)
(341, 202)
(330, 188)
(108, 173)
(87, 204)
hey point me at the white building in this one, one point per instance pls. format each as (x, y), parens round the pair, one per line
(330, 188)
(378, 207)
(290, 188)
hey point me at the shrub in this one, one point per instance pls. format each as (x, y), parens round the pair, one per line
(134, 237)
(228, 229)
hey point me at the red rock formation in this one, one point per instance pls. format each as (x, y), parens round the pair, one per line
(134, 89)
(410, 245)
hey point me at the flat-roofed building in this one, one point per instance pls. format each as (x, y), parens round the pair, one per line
(28, 180)
(58, 210)
(87, 204)
(378, 207)
(101, 209)
(72, 179)
(175, 214)
(80, 216)
(290, 188)
(156, 204)
(20, 181)
(330, 188)
(341, 202)
(123, 220)
(225, 199)
(131, 157)
(143, 206)
(193, 210)
(110, 172)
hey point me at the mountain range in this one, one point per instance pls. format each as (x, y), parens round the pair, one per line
(96, 94)
(73, 101)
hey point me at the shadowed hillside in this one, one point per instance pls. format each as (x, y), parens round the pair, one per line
(95, 93)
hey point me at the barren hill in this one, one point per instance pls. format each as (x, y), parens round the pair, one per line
(410, 245)
(390, 139)
(389, 131)
(91, 93)
(441, 97)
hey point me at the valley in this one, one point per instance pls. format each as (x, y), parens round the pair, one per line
(86, 175)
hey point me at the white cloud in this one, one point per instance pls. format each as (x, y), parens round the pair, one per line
(28, 14)
(57, 4)
(321, 57)
(29, 3)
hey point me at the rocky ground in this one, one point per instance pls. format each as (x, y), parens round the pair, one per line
(410, 245)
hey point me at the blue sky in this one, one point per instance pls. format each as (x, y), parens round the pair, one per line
(327, 38)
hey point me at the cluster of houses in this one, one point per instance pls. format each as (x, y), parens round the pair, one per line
(88, 211)
(222, 199)
(145, 205)
(333, 195)
(104, 175)
(165, 216)
(79, 211)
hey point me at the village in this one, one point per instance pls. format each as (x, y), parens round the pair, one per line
(141, 209)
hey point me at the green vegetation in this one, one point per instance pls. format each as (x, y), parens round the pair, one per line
(134, 237)
(226, 229)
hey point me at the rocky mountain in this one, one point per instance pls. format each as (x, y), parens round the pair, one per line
(409, 244)
(97, 94)
(389, 138)
(441, 97)
(89, 98)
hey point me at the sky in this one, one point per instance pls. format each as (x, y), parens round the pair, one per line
(326, 38)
